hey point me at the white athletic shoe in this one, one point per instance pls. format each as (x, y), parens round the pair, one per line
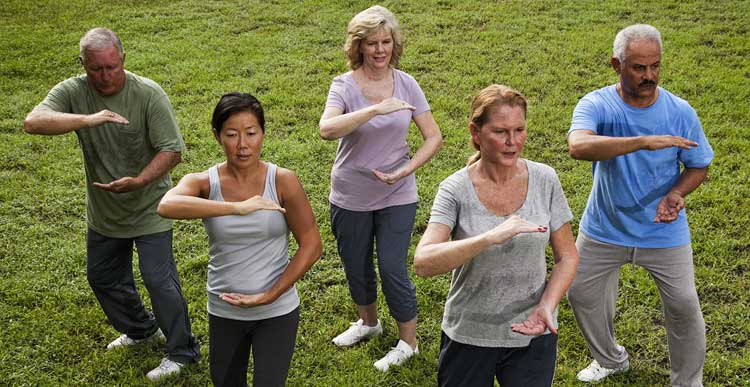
(594, 373)
(396, 356)
(357, 332)
(166, 367)
(125, 341)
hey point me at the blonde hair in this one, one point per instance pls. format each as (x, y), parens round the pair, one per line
(482, 104)
(365, 23)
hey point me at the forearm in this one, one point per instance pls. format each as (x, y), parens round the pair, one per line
(689, 180)
(598, 148)
(302, 261)
(340, 125)
(563, 273)
(439, 258)
(175, 206)
(162, 163)
(48, 122)
(429, 148)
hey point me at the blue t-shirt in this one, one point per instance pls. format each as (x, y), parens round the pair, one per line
(627, 188)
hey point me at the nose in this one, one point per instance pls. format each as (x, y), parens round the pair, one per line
(510, 140)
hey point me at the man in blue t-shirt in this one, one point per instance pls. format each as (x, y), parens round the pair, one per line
(637, 135)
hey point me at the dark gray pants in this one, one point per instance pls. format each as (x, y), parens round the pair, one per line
(109, 269)
(391, 229)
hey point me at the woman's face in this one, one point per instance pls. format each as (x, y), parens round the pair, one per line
(376, 49)
(503, 135)
(242, 138)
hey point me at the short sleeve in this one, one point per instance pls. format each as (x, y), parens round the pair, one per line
(585, 116)
(163, 131)
(560, 212)
(336, 94)
(59, 98)
(418, 99)
(702, 155)
(446, 205)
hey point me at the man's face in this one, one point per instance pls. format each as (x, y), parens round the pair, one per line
(639, 71)
(105, 70)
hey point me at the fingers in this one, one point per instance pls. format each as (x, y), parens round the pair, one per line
(387, 178)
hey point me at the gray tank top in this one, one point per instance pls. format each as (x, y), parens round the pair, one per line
(247, 254)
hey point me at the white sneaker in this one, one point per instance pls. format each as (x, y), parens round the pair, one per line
(166, 367)
(125, 341)
(357, 332)
(594, 373)
(396, 356)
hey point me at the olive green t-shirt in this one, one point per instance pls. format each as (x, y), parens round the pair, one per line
(112, 151)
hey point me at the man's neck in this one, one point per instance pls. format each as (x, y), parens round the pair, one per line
(635, 101)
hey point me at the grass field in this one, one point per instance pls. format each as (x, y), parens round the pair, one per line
(52, 331)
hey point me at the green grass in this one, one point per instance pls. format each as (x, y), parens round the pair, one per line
(52, 331)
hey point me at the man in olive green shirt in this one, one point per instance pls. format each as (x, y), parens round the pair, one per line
(130, 140)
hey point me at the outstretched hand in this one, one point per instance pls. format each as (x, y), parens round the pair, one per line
(391, 105)
(669, 207)
(245, 300)
(388, 178)
(513, 226)
(105, 116)
(539, 320)
(124, 184)
(256, 203)
(666, 141)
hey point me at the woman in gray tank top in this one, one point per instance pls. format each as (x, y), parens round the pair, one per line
(248, 207)
(490, 224)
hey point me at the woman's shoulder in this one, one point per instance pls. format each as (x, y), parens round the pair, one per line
(456, 181)
(346, 78)
(540, 171)
(403, 77)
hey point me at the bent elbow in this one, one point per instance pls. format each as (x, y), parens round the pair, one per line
(420, 268)
(163, 209)
(575, 151)
(29, 125)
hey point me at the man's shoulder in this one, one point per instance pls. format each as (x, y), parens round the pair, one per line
(144, 84)
(675, 101)
(78, 82)
(601, 94)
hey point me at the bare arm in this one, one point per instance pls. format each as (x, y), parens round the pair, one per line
(49, 122)
(672, 203)
(586, 145)
(162, 163)
(334, 124)
(563, 272)
(437, 254)
(301, 221)
(188, 200)
(433, 142)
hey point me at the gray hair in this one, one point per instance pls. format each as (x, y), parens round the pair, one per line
(98, 39)
(367, 22)
(634, 33)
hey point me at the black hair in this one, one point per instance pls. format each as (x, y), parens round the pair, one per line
(236, 102)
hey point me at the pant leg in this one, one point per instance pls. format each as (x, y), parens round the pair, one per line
(393, 228)
(109, 270)
(228, 351)
(672, 270)
(593, 297)
(353, 231)
(273, 343)
(159, 274)
(463, 365)
(531, 366)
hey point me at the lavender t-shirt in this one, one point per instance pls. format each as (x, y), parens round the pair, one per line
(378, 144)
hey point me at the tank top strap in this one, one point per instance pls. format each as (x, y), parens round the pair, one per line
(269, 191)
(214, 184)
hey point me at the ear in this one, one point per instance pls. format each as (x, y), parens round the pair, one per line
(474, 131)
(616, 65)
(217, 136)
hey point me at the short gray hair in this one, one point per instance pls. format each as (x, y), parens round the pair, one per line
(634, 33)
(98, 39)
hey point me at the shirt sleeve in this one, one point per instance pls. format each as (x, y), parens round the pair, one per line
(163, 131)
(585, 116)
(559, 210)
(702, 155)
(446, 205)
(336, 94)
(416, 97)
(59, 98)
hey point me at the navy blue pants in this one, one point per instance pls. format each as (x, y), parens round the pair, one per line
(389, 230)
(109, 269)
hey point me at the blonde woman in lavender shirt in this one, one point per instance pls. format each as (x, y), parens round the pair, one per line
(373, 188)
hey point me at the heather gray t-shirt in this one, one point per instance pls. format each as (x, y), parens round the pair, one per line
(247, 254)
(380, 144)
(501, 285)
